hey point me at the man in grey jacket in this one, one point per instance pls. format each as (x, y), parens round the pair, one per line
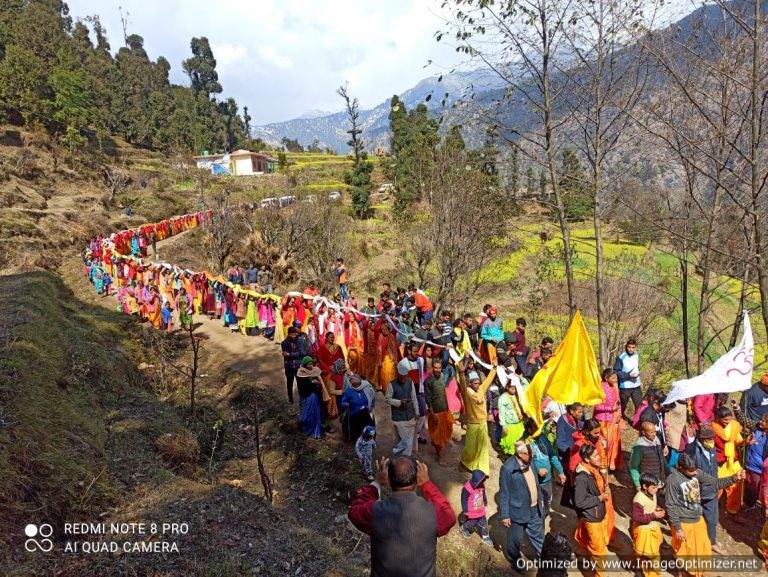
(684, 488)
(401, 396)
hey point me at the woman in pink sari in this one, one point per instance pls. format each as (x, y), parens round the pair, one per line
(609, 414)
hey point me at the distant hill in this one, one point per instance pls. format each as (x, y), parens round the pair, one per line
(330, 129)
(444, 92)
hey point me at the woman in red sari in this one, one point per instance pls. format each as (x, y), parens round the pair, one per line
(330, 358)
(370, 336)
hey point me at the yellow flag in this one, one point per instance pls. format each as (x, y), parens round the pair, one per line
(570, 376)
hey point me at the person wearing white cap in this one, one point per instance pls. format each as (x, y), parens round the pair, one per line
(401, 396)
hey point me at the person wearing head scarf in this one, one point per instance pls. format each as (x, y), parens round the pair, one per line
(309, 382)
(401, 396)
(476, 452)
(356, 404)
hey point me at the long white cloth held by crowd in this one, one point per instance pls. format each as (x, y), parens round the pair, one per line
(730, 373)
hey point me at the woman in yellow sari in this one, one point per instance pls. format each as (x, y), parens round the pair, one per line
(728, 441)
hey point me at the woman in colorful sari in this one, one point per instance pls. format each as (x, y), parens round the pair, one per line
(184, 306)
(241, 311)
(370, 337)
(287, 311)
(353, 337)
(511, 418)
(228, 316)
(609, 414)
(329, 358)
(387, 356)
(310, 385)
(251, 316)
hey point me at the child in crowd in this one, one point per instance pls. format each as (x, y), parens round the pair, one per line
(364, 447)
(167, 313)
(473, 502)
(645, 528)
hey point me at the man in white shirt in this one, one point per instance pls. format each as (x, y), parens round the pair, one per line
(627, 368)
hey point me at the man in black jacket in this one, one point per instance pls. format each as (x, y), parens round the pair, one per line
(521, 503)
(294, 348)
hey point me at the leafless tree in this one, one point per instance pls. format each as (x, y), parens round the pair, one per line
(191, 367)
(451, 247)
(605, 83)
(710, 116)
(521, 43)
(266, 480)
(117, 181)
(225, 228)
(353, 114)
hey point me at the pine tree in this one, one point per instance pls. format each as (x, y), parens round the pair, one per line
(247, 121)
(543, 184)
(201, 68)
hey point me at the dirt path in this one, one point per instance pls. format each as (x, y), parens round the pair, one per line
(260, 360)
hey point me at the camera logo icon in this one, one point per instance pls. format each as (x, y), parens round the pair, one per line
(43, 544)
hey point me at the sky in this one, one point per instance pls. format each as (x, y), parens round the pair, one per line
(283, 58)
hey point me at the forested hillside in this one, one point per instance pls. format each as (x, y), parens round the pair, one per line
(62, 75)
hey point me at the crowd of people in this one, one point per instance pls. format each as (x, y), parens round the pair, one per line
(162, 294)
(440, 373)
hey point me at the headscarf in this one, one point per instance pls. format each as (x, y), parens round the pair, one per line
(306, 360)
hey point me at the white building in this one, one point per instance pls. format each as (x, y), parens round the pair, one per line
(238, 163)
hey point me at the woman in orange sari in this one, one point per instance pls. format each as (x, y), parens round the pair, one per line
(728, 441)
(609, 414)
(353, 338)
(387, 356)
(591, 499)
(154, 308)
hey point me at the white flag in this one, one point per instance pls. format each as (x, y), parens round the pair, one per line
(731, 372)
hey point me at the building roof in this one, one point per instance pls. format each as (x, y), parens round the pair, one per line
(209, 157)
(236, 154)
(241, 152)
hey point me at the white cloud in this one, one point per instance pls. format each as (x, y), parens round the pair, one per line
(284, 57)
(270, 55)
(228, 54)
